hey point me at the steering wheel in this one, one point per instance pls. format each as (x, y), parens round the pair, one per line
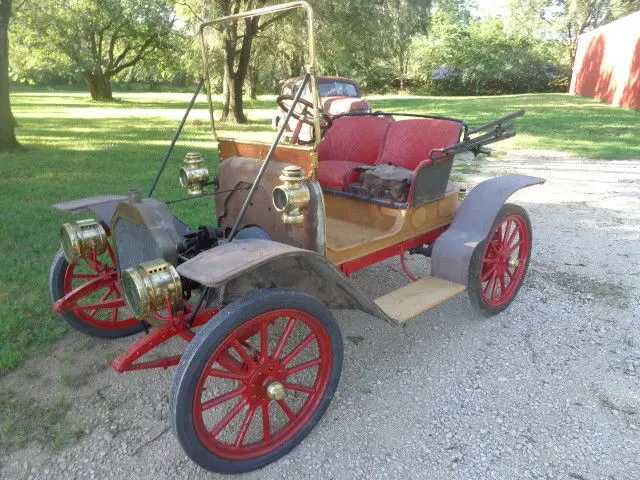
(303, 113)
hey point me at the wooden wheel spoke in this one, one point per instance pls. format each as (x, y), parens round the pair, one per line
(266, 423)
(228, 362)
(245, 426)
(264, 340)
(114, 314)
(491, 281)
(237, 346)
(287, 411)
(229, 375)
(487, 274)
(215, 401)
(104, 296)
(495, 284)
(100, 306)
(226, 420)
(299, 388)
(303, 366)
(301, 346)
(83, 276)
(285, 336)
(512, 248)
(512, 237)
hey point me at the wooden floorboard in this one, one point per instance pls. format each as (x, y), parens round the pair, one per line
(417, 297)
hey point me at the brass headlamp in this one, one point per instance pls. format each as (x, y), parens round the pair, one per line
(80, 238)
(293, 196)
(194, 175)
(148, 287)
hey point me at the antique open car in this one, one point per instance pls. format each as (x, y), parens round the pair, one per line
(253, 293)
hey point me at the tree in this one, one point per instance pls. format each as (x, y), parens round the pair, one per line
(7, 134)
(100, 38)
(402, 20)
(237, 41)
(567, 19)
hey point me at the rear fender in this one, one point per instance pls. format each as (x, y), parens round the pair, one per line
(235, 269)
(452, 251)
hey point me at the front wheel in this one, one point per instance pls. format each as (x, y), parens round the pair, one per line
(256, 380)
(97, 307)
(499, 264)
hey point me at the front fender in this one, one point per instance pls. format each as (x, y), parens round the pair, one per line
(102, 206)
(451, 254)
(237, 268)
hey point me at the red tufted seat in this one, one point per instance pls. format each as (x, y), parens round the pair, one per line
(408, 142)
(349, 143)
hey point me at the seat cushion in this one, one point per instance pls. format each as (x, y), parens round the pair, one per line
(408, 142)
(354, 139)
(337, 174)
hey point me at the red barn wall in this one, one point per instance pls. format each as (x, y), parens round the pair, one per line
(607, 65)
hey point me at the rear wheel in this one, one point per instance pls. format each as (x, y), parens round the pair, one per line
(499, 264)
(100, 311)
(256, 380)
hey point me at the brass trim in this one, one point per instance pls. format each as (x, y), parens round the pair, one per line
(81, 238)
(276, 391)
(302, 148)
(148, 287)
(293, 196)
(194, 175)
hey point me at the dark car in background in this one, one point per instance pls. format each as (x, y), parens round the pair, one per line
(338, 95)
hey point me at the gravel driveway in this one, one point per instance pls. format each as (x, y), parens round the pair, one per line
(550, 388)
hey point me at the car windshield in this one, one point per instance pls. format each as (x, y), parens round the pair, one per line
(338, 89)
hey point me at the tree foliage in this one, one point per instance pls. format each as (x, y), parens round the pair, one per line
(426, 46)
(97, 38)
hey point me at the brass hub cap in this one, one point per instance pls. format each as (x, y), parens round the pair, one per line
(513, 263)
(275, 391)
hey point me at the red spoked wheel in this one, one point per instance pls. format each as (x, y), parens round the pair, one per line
(87, 295)
(499, 264)
(253, 383)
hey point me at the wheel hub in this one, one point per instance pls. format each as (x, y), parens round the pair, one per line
(513, 263)
(276, 391)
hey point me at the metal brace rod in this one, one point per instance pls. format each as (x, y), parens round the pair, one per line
(263, 168)
(175, 138)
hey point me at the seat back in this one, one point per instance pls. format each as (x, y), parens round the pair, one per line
(408, 142)
(354, 139)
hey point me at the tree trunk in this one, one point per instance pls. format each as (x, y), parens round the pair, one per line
(235, 77)
(7, 133)
(226, 81)
(99, 86)
(252, 83)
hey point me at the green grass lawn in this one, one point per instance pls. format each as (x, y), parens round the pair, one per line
(74, 148)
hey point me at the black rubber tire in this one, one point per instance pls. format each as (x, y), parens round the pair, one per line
(474, 285)
(56, 289)
(207, 340)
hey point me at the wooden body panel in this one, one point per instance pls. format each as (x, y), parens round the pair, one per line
(356, 228)
(294, 154)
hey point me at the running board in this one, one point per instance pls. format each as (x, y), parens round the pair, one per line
(417, 297)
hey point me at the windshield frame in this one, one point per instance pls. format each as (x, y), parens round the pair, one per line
(311, 67)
